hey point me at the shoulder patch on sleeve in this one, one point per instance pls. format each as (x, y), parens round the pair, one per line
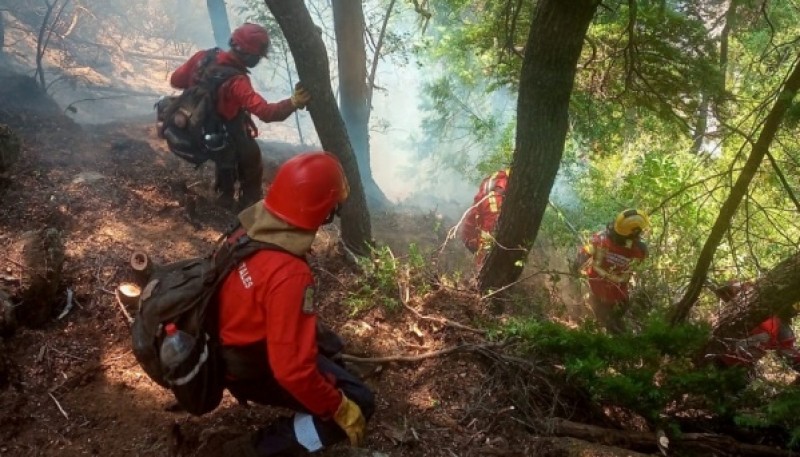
(308, 301)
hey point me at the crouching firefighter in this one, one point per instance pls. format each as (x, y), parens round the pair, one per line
(211, 119)
(268, 323)
(774, 334)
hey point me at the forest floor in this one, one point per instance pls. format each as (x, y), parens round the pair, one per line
(75, 387)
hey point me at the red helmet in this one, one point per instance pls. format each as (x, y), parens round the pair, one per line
(307, 189)
(250, 39)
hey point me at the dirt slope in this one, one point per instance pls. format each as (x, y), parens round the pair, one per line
(75, 387)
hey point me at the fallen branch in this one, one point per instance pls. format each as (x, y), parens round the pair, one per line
(118, 299)
(68, 306)
(407, 358)
(443, 321)
(59, 406)
(705, 443)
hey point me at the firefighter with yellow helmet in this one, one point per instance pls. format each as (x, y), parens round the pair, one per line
(609, 258)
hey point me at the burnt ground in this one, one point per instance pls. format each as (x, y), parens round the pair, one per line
(75, 388)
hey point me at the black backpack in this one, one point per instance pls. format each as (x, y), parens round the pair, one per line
(184, 293)
(189, 122)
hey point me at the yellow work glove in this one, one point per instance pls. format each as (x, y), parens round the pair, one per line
(300, 96)
(350, 419)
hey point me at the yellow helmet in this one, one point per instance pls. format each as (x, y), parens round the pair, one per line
(631, 222)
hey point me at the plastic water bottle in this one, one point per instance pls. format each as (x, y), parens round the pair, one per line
(175, 348)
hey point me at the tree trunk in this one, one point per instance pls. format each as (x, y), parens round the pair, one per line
(548, 73)
(349, 25)
(219, 22)
(731, 204)
(311, 59)
(2, 35)
(775, 294)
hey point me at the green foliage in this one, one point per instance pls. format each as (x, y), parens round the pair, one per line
(386, 279)
(780, 410)
(645, 372)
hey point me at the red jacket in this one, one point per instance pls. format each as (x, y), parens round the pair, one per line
(617, 260)
(770, 335)
(266, 299)
(235, 94)
(485, 211)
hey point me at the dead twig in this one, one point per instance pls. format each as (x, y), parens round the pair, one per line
(408, 358)
(68, 306)
(443, 321)
(10, 260)
(128, 318)
(58, 405)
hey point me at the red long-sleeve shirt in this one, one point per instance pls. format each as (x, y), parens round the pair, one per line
(265, 299)
(617, 259)
(235, 94)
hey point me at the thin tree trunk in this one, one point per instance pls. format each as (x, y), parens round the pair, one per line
(554, 45)
(731, 204)
(350, 26)
(219, 22)
(2, 34)
(40, 46)
(311, 59)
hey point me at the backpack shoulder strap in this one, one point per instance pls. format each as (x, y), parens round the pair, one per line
(213, 74)
(236, 246)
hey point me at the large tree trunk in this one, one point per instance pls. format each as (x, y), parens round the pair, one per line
(548, 73)
(775, 294)
(349, 25)
(219, 22)
(311, 59)
(731, 204)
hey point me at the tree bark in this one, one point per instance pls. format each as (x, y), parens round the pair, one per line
(775, 294)
(219, 22)
(722, 224)
(2, 34)
(311, 59)
(554, 45)
(349, 26)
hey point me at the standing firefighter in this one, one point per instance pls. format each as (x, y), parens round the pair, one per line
(771, 335)
(610, 256)
(479, 224)
(232, 147)
(268, 322)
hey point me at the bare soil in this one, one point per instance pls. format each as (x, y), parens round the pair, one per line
(74, 386)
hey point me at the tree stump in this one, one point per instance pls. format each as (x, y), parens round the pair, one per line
(42, 258)
(10, 147)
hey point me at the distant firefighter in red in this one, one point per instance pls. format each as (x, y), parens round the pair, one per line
(479, 224)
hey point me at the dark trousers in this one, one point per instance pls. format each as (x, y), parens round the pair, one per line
(251, 379)
(281, 436)
(240, 161)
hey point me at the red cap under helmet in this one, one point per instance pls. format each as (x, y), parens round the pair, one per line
(250, 39)
(307, 188)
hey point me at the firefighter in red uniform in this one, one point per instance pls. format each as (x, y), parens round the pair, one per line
(268, 324)
(610, 256)
(236, 101)
(479, 224)
(771, 335)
